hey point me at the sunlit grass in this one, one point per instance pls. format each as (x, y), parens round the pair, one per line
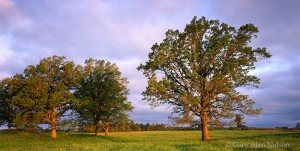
(154, 140)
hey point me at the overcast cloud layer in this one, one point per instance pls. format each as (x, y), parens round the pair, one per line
(123, 32)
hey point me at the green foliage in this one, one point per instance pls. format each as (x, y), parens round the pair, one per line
(30, 101)
(43, 93)
(152, 140)
(10, 87)
(102, 94)
(7, 112)
(199, 69)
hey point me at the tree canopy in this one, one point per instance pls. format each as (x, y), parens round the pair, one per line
(199, 70)
(44, 92)
(102, 95)
(7, 112)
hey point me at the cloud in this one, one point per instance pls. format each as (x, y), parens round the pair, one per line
(10, 61)
(8, 13)
(11, 17)
(143, 113)
(96, 28)
(279, 94)
(277, 21)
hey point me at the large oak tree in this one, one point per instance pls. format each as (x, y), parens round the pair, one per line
(199, 70)
(46, 92)
(102, 95)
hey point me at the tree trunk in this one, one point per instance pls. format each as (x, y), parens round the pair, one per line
(204, 126)
(9, 125)
(106, 128)
(53, 123)
(97, 128)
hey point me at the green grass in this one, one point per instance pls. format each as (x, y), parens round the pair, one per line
(154, 140)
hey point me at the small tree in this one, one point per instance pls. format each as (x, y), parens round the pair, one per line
(199, 69)
(102, 95)
(297, 126)
(239, 121)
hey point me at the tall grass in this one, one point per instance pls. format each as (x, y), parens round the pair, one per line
(154, 140)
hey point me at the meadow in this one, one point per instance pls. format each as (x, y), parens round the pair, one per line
(264, 140)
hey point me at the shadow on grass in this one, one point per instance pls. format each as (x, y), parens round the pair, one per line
(108, 138)
(184, 147)
(83, 135)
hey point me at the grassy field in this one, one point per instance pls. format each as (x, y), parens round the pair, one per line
(154, 140)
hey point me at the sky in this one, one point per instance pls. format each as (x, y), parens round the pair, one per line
(123, 31)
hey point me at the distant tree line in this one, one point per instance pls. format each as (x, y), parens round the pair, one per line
(131, 126)
(44, 93)
(72, 125)
(174, 124)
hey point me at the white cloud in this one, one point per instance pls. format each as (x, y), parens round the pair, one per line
(6, 4)
(6, 53)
